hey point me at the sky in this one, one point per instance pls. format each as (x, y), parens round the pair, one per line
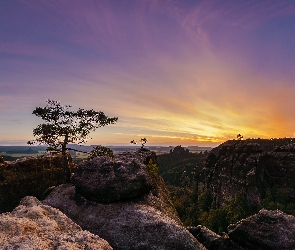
(175, 72)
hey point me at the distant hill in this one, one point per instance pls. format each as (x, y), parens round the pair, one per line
(22, 149)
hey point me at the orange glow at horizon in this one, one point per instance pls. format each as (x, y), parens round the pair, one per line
(175, 72)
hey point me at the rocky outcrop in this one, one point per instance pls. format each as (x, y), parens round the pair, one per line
(213, 241)
(267, 145)
(208, 238)
(243, 165)
(269, 230)
(140, 216)
(266, 230)
(34, 226)
(105, 180)
(28, 177)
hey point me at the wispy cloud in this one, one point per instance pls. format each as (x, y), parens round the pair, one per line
(184, 71)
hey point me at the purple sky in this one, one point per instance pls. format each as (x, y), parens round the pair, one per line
(175, 72)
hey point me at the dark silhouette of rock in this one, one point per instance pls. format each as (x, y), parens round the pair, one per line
(1, 159)
(213, 241)
(279, 167)
(146, 220)
(208, 238)
(267, 145)
(33, 225)
(270, 230)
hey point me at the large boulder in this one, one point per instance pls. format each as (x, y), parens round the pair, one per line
(34, 226)
(266, 230)
(105, 180)
(144, 220)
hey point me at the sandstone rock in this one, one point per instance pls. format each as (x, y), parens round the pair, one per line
(208, 238)
(125, 225)
(233, 171)
(142, 176)
(140, 217)
(30, 176)
(279, 167)
(106, 180)
(33, 226)
(213, 241)
(242, 165)
(265, 230)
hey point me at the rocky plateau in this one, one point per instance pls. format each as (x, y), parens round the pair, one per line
(122, 203)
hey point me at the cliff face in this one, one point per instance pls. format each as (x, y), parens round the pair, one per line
(30, 176)
(246, 166)
(124, 201)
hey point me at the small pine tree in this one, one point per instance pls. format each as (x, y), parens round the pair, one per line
(63, 126)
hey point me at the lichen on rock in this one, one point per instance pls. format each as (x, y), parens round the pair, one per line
(106, 180)
(265, 230)
(34, 226)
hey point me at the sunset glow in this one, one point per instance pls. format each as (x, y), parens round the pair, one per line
(175, 72)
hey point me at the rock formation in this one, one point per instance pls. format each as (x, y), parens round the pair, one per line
(213, 241)
(34, 226)
(28, 177)
(104, 180)
(124, 201)
(243, 165)
(208, 238)
(269, 230)
(266, 230)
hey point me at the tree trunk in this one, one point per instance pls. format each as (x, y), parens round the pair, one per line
(67, 170)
